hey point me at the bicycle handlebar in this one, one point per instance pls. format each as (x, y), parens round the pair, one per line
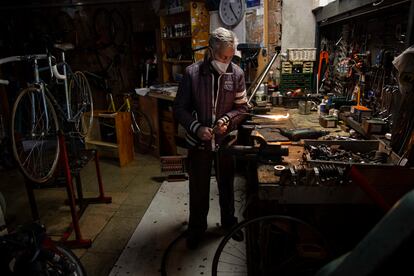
(57, 74)
(21, 58)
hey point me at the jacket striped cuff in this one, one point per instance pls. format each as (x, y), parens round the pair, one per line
(194, 126)
(224, 120)
(190, 140)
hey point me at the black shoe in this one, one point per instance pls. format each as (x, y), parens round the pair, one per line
(193, 241)
(238, 236)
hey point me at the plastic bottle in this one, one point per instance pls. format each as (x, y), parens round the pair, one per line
(322, 108)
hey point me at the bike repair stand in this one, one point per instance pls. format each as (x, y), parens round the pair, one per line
(78, 242)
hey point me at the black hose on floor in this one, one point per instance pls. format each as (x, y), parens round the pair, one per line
(167, 252)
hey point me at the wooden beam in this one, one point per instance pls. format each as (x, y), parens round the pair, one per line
(342, 10)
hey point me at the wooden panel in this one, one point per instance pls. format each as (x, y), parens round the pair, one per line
(124, 138)
(149, 106)
(168, 127)
(123, 149)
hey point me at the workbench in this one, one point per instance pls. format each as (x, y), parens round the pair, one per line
(335, 210)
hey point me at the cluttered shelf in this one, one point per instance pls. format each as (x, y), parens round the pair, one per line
(177, 61)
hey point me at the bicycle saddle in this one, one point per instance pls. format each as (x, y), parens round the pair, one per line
(64, 46)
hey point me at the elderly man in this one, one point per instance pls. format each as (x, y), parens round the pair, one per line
(210, 102)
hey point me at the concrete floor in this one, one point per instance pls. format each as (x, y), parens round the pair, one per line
(110, 226)
(163, 222)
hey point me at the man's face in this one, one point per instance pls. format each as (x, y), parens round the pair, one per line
(225, 55)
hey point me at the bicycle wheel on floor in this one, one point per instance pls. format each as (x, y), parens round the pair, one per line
(69, 264)
(81, 103)
(272, 245)
(142, 128)
(35, 135)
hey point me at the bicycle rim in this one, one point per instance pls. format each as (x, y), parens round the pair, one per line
(143, 131)
(69, 257)
(273, 245)
(35, 147)
(81, 103)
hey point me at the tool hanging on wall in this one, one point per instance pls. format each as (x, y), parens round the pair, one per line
(322, 67)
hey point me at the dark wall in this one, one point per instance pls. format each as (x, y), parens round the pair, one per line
(110, 39)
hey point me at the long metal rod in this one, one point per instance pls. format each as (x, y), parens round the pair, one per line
(259, 79)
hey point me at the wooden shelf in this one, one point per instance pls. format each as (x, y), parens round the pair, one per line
(177, 61)
(195, 17)
(102, 143)
(175, 11)
(175, 38)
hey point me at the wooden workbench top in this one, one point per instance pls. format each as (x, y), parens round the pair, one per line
(266, 172)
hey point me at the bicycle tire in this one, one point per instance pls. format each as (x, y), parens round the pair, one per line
(263, 258)
(143, 130)
(68, 255)
(81, 102)
(44, 150)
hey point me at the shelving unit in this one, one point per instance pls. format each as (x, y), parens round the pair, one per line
(182, 29)
(111, 135)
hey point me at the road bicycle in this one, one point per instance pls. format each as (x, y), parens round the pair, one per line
(35, 124)
(141, 124)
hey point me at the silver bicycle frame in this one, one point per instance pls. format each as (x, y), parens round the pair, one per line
(43, 95)
(65, 81)
(33, 58)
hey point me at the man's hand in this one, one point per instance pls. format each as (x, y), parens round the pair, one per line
(220, 127)
(204, 133)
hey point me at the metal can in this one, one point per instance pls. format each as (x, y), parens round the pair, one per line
(280, 99)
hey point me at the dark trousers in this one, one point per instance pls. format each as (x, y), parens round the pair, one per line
(200, 164)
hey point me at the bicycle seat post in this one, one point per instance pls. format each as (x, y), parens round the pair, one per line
(65, 81)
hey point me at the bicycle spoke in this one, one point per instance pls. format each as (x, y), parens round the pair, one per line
(272, 251)
(228, 253)
(241, 252)
(35, 147)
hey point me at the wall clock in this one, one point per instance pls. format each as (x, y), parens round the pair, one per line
(231, 11)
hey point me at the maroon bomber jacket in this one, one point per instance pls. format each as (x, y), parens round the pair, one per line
(194, 105)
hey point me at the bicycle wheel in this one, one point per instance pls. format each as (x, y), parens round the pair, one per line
(273, 245)
(142, 128)
(35, 135)
(70, 262)
(81, 103)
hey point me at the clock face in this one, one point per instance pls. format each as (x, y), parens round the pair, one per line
(231, 11)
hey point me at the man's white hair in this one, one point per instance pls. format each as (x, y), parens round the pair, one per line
(221, 39)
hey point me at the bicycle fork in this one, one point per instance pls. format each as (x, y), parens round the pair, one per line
(134, 124)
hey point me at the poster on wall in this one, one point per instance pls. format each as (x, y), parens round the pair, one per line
(252, 3)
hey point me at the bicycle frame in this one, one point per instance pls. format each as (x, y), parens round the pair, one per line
(37, 82)
(126, 106)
